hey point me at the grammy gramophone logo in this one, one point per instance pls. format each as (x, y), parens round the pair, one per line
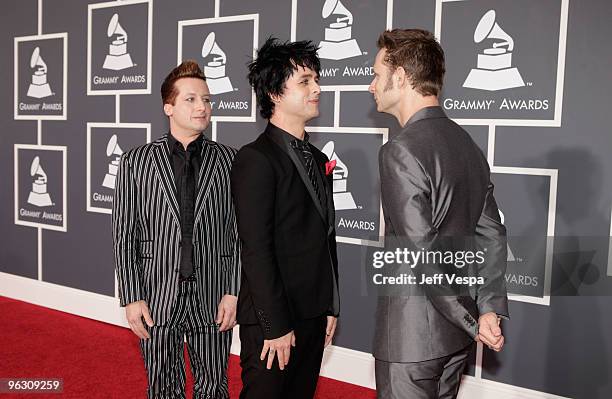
(39, 87)
(117, 58)
(39, 195)
(112, 150)
(494, 69)
(214, 69)
(511, 257)
(343, 199)
(338, 43)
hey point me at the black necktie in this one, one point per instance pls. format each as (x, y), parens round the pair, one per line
(304, 148)
(187, 188)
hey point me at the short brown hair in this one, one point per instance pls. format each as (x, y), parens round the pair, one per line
(187, 69)
(419, 53)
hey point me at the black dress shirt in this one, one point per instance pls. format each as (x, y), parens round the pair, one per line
(186, 167)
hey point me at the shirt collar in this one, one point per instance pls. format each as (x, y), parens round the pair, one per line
(175, 144)
(426, 113)
(284, 135)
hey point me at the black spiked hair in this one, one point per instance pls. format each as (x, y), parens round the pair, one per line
(276, 61)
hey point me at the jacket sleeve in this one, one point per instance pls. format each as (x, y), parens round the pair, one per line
(253, 190)
(233, 274)
(333, 249)
(406, 192)
(491, 235)
(124, 239)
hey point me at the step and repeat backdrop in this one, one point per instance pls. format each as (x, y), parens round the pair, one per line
(529, 80)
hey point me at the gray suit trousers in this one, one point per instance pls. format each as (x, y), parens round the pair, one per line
(429, 379)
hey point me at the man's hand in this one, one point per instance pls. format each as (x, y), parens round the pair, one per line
(281, 347)
(226, 313)
(330, 330)
(135, 312)
(489, 331)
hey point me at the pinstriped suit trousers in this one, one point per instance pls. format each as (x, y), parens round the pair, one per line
(208, 350)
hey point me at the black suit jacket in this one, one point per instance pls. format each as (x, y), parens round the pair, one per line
(437, 195)
(288, 240)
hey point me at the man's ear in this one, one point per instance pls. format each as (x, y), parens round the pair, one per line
(400, 76)
(168, 108)
(275, 98)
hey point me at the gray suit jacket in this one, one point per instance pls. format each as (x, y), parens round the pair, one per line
(436, 185)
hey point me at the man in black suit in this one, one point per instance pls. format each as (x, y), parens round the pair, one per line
(288, 302)
(436, 196)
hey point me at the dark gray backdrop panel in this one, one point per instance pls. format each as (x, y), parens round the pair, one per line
(18, 252)
(562, 349)
(79, 258)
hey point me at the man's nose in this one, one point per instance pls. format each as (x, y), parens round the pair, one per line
(200, 105)
(317, 87)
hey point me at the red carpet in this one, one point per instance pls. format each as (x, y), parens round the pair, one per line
(95, 359)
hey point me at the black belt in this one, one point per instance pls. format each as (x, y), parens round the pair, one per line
(187, 279)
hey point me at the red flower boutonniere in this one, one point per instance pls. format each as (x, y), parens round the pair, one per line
(329, 167)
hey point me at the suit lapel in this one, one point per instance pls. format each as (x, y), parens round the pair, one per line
(164, 171)
(302, 172)
(329, 195)
(208, 171)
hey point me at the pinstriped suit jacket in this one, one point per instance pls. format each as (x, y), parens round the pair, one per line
(147, 233)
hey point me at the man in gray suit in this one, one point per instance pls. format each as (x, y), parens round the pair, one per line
(437, 197)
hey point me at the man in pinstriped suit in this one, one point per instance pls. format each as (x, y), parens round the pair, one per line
(175, 244)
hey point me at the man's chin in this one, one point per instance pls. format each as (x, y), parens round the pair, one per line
(313, 115)
(381, 109)
(201, 126)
